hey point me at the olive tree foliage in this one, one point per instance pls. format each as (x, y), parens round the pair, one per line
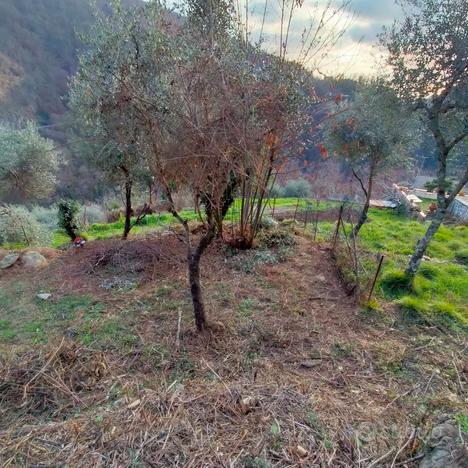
(372, 133)
(28, 164)
(180, 99)
(19, 227)
(106, 130)
(293, 105)
(428, 56)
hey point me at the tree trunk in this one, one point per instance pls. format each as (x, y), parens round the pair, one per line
(362, 218)
(442, 202)
(195, 291)
(421, 246)
(193, 261)
(128, 208)
(365, 209)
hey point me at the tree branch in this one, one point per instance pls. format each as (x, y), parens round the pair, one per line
(360, 182)
(458, 188)
(457, 139)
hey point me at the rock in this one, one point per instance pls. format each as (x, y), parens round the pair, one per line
(300, 451)
(445, 448)
(33, 260)
(134, 404)
(248, 404)
(44, 296)
(8, 260)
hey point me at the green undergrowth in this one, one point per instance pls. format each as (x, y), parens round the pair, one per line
(27, 319)
(439, 293)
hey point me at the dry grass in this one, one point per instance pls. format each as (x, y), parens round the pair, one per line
(292, 373)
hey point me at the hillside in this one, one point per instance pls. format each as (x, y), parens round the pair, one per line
(39, 45)
(39, 42)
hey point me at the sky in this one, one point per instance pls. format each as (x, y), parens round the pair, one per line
(355, 53)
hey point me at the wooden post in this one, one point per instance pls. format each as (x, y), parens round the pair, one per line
(379, 267)
(306, 215)
(295, 211)
(337, 229)
(316, 218)
(273, 211)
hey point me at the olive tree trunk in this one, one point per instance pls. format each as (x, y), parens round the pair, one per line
(193, 260)
(128, 202)
(128, 208)
(365, 209)
(443, 201)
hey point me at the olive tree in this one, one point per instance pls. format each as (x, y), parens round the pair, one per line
(176, 101)
(372, 133)
(28, 164)
(428, 56)
(105, 127)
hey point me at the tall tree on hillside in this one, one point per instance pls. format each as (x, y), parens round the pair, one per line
(372, 133)
(28, 164)
(428, 54)
(105, 127)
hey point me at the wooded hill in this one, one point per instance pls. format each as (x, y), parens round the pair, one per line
(39, 44)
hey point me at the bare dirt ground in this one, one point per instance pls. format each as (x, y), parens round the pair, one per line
(292, 373)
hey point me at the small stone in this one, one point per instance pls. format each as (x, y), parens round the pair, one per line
(134, 404)
(8, 260)
(44, 296)
(33, 260)
(301, 451)
(247, 404)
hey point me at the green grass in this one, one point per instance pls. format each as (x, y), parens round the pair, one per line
(26, 319)
(440, 290)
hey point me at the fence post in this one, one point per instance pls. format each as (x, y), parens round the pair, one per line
(306, 218)
(316, 218)
(337, 229)
(379, 267)
(295, 211)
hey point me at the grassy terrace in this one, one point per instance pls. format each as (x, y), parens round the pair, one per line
(441, 287)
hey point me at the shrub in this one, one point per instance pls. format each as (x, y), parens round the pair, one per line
(18, 226)
(395, 283)
(92, 214)
(276, 191)
(67, 217)
(432, 185)
(267, 222)
(45, 216)
(276, 238)
(298, 188)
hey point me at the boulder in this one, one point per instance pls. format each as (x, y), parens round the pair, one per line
(33, 260)
(445, 447)
(8, 260)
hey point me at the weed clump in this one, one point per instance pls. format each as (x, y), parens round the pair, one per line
(462, 256)
(395, 283)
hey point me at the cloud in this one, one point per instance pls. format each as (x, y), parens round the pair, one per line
(379, 10)
(365, 32)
